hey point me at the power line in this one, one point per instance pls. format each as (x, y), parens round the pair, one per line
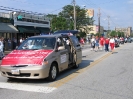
(19, 10)
(29, 3)
(101, 9)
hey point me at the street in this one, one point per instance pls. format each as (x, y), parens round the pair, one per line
(101, 75)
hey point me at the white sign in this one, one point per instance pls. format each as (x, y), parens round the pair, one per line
(63, 58)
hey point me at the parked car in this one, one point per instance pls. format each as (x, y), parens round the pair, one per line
(122, 40)
(43, 56)
(129, 40)
(117, 43)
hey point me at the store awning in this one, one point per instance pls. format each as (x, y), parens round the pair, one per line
(27, 29)
(43, 30)
(7, 28)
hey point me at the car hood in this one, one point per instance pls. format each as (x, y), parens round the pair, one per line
(18, 57)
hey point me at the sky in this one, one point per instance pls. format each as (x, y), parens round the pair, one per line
(120, 12)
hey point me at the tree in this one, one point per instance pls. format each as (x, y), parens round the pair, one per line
(81, 19)
(113, 34)
(59, 23)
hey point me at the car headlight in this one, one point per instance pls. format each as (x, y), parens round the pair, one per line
(45, 62)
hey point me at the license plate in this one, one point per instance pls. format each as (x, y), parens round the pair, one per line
(16, 71)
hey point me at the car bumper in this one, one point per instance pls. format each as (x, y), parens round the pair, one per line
(35, 72)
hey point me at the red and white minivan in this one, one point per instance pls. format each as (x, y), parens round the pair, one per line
(42, 56)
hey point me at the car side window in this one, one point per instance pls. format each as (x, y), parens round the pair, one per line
(60, 42)
(75, 41)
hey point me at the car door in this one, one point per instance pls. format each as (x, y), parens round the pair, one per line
(62, 55)
(77, 48)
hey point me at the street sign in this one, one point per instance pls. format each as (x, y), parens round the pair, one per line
(20, 17)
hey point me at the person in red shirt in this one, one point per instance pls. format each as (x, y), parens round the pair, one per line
(106, 44)
(101, 42)
(82, 41)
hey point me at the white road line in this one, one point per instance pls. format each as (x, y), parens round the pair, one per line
(31, 88)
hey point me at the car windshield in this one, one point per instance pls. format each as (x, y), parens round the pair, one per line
(38, 43)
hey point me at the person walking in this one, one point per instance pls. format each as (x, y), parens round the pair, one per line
(82, 42)
(107, 44)
(101, 42)
(112, 44)
(96, 44)
(93, 43)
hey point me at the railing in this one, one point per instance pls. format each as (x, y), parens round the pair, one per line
(5, 15)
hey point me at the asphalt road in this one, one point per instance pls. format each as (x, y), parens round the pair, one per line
(101, 75)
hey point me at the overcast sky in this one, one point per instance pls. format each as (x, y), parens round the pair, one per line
(120, 11)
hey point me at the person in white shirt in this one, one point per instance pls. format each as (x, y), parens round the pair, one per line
(112, 44)
(1, 48)
(21, 40)
(93, 43)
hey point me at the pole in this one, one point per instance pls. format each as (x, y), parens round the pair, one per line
(74, 14)
(108, 24)
(99, 21)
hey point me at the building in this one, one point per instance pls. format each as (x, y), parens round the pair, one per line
(89, 13)
(22, 25)
(127, 31)
(92, 29)
(6, 25)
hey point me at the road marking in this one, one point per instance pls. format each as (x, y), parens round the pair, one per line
(62, 81)
(54, 85)
(22, 87)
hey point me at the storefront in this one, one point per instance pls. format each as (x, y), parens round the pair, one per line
(7, 31)
(16, 25)
(27, 31)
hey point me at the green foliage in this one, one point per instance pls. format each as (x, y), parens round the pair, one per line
(59, 23)
(81, 19)
(131, 35)
(65, 21)
(115, 33)
(82, 34)
(98, 34)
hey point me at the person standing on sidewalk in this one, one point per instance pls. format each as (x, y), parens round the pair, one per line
(107, 44)
(1, 48)
(112, 44)
(93, 43)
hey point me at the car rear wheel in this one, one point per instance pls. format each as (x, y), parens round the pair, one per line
(53, 72)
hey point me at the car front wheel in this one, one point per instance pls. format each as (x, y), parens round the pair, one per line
(53, 72)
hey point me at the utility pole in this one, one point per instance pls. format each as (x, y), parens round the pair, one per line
(99, 21)
(108, 24)
(74, 14)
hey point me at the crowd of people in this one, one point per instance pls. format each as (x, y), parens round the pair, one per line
(105, 43)
(9, 44)
(102, 43)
